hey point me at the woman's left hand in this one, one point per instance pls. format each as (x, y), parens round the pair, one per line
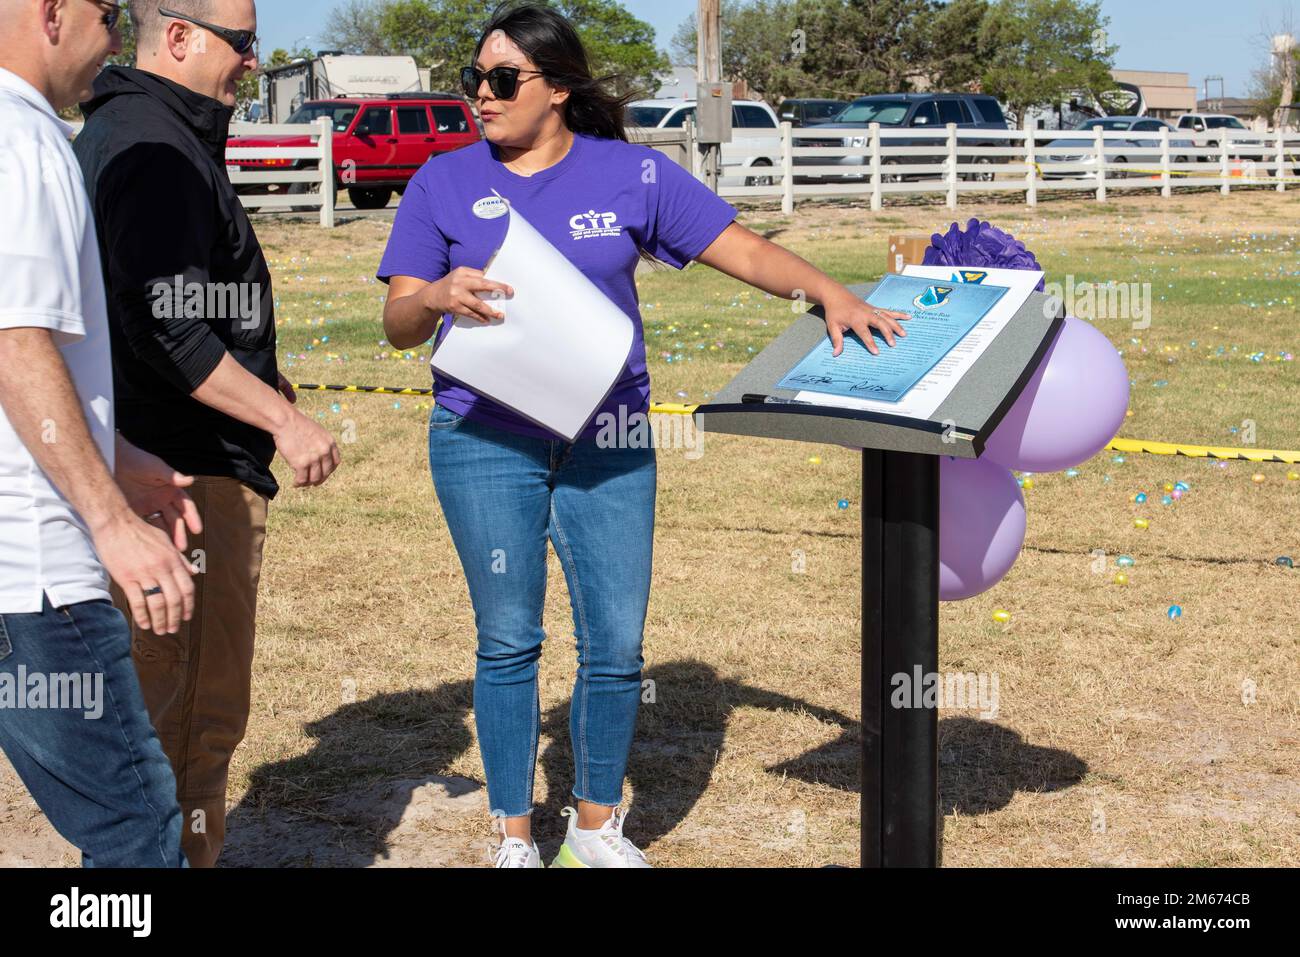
(848, 313)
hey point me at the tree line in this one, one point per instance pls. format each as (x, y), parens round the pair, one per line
(1025, 52)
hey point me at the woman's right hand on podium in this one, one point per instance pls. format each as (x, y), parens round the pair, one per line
(459, 293)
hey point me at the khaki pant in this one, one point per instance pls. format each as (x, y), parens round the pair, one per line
(196, 683)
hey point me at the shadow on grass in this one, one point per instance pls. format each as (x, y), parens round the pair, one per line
(407, 739)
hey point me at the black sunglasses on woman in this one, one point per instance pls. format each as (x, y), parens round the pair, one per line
(241, 41)
(503, 81)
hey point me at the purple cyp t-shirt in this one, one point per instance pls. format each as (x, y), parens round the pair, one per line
(599, 205)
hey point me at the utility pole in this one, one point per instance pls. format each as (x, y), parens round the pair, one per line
(1212, 105)
(708, 67)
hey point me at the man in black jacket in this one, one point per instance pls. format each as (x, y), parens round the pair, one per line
(191, 319)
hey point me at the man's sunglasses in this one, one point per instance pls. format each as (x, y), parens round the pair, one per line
(503, 81)
(241, 41)
(112, 14)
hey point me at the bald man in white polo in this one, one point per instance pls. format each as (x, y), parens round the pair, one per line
(72, 718)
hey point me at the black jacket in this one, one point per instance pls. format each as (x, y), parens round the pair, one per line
(152, 153)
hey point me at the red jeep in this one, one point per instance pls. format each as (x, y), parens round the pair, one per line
(379, 142)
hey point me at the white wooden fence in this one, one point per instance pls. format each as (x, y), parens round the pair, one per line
(883, 161)
(951, 161)
(294, 158)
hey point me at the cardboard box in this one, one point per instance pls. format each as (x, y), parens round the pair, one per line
(906, 251)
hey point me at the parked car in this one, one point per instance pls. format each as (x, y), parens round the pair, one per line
(969, 111)
(753, 126)
(1143, 146)
(805, 112)
(379, 142)
(1208, 122)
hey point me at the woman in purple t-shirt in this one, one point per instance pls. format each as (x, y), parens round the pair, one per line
(556, 150)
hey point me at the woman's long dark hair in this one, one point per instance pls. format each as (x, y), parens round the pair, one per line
(548, 39)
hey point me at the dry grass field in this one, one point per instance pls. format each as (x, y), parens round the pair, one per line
(1121, 737)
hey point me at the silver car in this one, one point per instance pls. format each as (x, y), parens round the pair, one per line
(1143, 146)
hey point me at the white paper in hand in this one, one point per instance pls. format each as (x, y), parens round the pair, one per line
(561, 347)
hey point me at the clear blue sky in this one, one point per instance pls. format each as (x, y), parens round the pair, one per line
(1198, 37)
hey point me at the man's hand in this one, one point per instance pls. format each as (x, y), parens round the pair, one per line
(155, 491)
(309, 449)
(142, 560)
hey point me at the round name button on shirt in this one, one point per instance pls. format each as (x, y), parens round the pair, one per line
(602, 203)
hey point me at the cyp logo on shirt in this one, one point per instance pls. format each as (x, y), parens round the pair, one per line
(592, 224)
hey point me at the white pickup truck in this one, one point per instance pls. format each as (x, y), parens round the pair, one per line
(754, 128)
(1209, 122)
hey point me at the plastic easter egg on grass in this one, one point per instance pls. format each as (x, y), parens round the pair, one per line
(981, 526)
(1071, 408)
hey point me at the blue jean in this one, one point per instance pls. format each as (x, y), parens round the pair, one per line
(503, 495)
(90, 758)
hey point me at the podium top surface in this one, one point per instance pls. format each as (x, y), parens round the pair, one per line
(960, 426)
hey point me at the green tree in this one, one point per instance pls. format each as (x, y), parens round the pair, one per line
(127, 29)
(617, 43)
(857, 47)
(1037, 52)
(953, 56)
(282, 57)
(1265, 93)
(354, 27)
(760, 45)
(442, 34)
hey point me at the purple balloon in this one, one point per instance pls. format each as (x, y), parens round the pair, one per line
(1071, 408)
(981, 526)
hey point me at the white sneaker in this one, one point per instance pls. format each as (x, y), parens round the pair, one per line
(606, 847)
(515, 851)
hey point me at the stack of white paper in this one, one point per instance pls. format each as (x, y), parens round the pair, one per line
(561, 347)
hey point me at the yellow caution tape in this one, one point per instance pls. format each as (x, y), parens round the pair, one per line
(1118, 445)
(1210, 172)
(367, 389)
(1203, 451)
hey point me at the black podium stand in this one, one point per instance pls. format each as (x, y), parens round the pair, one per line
(900, 547)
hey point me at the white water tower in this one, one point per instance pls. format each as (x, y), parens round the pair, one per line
(1283, 52)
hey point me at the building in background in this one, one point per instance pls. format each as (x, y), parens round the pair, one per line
(1162, 94)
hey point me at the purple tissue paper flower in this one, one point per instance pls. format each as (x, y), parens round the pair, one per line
(980, 245)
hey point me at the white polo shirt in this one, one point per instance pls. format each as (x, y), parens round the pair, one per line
(50, 278)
